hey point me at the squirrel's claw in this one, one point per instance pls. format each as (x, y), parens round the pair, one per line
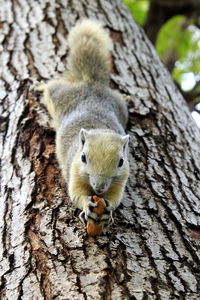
(87, 213)
(109, 213)
(37, 86)
(82, 217)
(90, 203)
(111, 219)
(105, 218)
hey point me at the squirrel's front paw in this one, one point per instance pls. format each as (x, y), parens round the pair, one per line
(37, 86)
(109, 213)
(87, 212)
(91, 213)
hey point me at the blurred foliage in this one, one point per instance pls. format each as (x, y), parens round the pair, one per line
(182, 38)
(178, 39)
(138, 9)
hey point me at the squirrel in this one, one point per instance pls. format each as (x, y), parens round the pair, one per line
(89, 118)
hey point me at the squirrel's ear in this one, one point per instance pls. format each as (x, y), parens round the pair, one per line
(125, 140)
(83, 135)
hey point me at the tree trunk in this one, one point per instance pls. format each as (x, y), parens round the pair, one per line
(152, 250)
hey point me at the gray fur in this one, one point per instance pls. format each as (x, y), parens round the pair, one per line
(89, 106)
(81, 98)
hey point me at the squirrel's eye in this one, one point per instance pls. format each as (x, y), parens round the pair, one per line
(83, 158)
(121, 161)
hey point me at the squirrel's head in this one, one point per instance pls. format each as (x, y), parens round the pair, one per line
(103, 158)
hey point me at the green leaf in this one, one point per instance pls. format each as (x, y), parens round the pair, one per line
(182, 39)
(138, 8)
(178, 38)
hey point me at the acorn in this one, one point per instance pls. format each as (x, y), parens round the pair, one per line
(96, 229)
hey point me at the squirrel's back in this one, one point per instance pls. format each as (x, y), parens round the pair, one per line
(89, 56)
(89, 119)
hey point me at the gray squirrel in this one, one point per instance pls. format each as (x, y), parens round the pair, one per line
(89, 119)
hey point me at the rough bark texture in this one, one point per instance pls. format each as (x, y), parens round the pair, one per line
(152, 250)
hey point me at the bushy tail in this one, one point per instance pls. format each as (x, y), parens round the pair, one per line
(89, 56)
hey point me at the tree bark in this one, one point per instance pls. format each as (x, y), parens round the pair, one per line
(152, 250)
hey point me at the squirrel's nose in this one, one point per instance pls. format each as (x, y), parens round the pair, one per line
(99, 191)
(98, 187)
